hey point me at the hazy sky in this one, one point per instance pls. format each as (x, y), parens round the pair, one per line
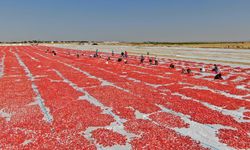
(125, 20)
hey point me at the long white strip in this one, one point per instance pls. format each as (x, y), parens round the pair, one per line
(2, 66)
(5, 115)
(47, 116)
(228, 95)
(32, 57)
(117, 126)
(206, 134)
(238, 115)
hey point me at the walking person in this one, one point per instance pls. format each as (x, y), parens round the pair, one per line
(96, 52)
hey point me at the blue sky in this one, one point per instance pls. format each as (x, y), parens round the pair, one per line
(125, 20)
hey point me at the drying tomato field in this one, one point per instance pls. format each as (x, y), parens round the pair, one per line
(66, 102)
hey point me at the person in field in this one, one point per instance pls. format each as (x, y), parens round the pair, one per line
(108, 59)
(150, 61)
(202, 69)
(218, 76)
(125, 61)
(126, 54)
(96, 52)
(122, 54)
(186, 71)
(113, 53)
(77, 55)
(183, 71)
(142, 59)
(156, 61)
(215, 69)
(119, 59)
(171, 66)
(54, 53)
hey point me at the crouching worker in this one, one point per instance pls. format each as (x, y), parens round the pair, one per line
(218, 77)
(156, 61)
(95, 55)
(150, 61)
(108, 59)
(202, 69)
(119, 59)
(171, 66)
(54, 53)
(183, 71)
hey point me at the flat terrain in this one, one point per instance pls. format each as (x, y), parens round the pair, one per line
(65, 102)
(221, 45)
(230, 57)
